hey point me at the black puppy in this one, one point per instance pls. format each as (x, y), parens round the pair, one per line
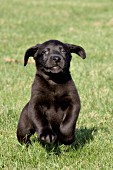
(54, 106)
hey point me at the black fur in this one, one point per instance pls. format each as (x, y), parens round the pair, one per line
(54, 106)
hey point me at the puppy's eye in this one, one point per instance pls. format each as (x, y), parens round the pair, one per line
(63, 51)
(45, 52)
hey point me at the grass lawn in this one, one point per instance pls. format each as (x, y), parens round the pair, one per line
(88, 23)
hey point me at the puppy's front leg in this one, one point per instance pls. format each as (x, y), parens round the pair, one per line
(42, 125)
(67, 127)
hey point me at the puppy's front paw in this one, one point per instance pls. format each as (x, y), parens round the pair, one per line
(48, 136)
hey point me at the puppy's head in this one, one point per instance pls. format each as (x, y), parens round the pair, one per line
(53, 56)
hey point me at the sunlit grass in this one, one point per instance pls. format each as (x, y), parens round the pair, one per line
(86, 23)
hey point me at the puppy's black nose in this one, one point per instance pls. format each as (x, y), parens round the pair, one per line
(56, 58)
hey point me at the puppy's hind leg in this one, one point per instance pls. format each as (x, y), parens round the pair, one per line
(25, 128)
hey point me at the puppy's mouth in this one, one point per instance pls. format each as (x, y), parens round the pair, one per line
(54, 69)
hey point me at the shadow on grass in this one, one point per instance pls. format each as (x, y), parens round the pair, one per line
(83, 136)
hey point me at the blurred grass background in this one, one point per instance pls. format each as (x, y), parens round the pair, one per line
(86, 23)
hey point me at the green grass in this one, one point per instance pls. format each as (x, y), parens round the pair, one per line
(87, 23)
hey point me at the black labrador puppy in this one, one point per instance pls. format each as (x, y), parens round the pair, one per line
(54, 106)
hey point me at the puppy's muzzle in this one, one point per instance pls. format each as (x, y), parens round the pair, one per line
(55, 63)
(56, 58)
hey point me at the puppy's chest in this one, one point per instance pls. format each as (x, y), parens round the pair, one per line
(55, 102)
(54, 105)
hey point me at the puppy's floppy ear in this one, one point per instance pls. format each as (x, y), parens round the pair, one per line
(77, 49)
(30, 53)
